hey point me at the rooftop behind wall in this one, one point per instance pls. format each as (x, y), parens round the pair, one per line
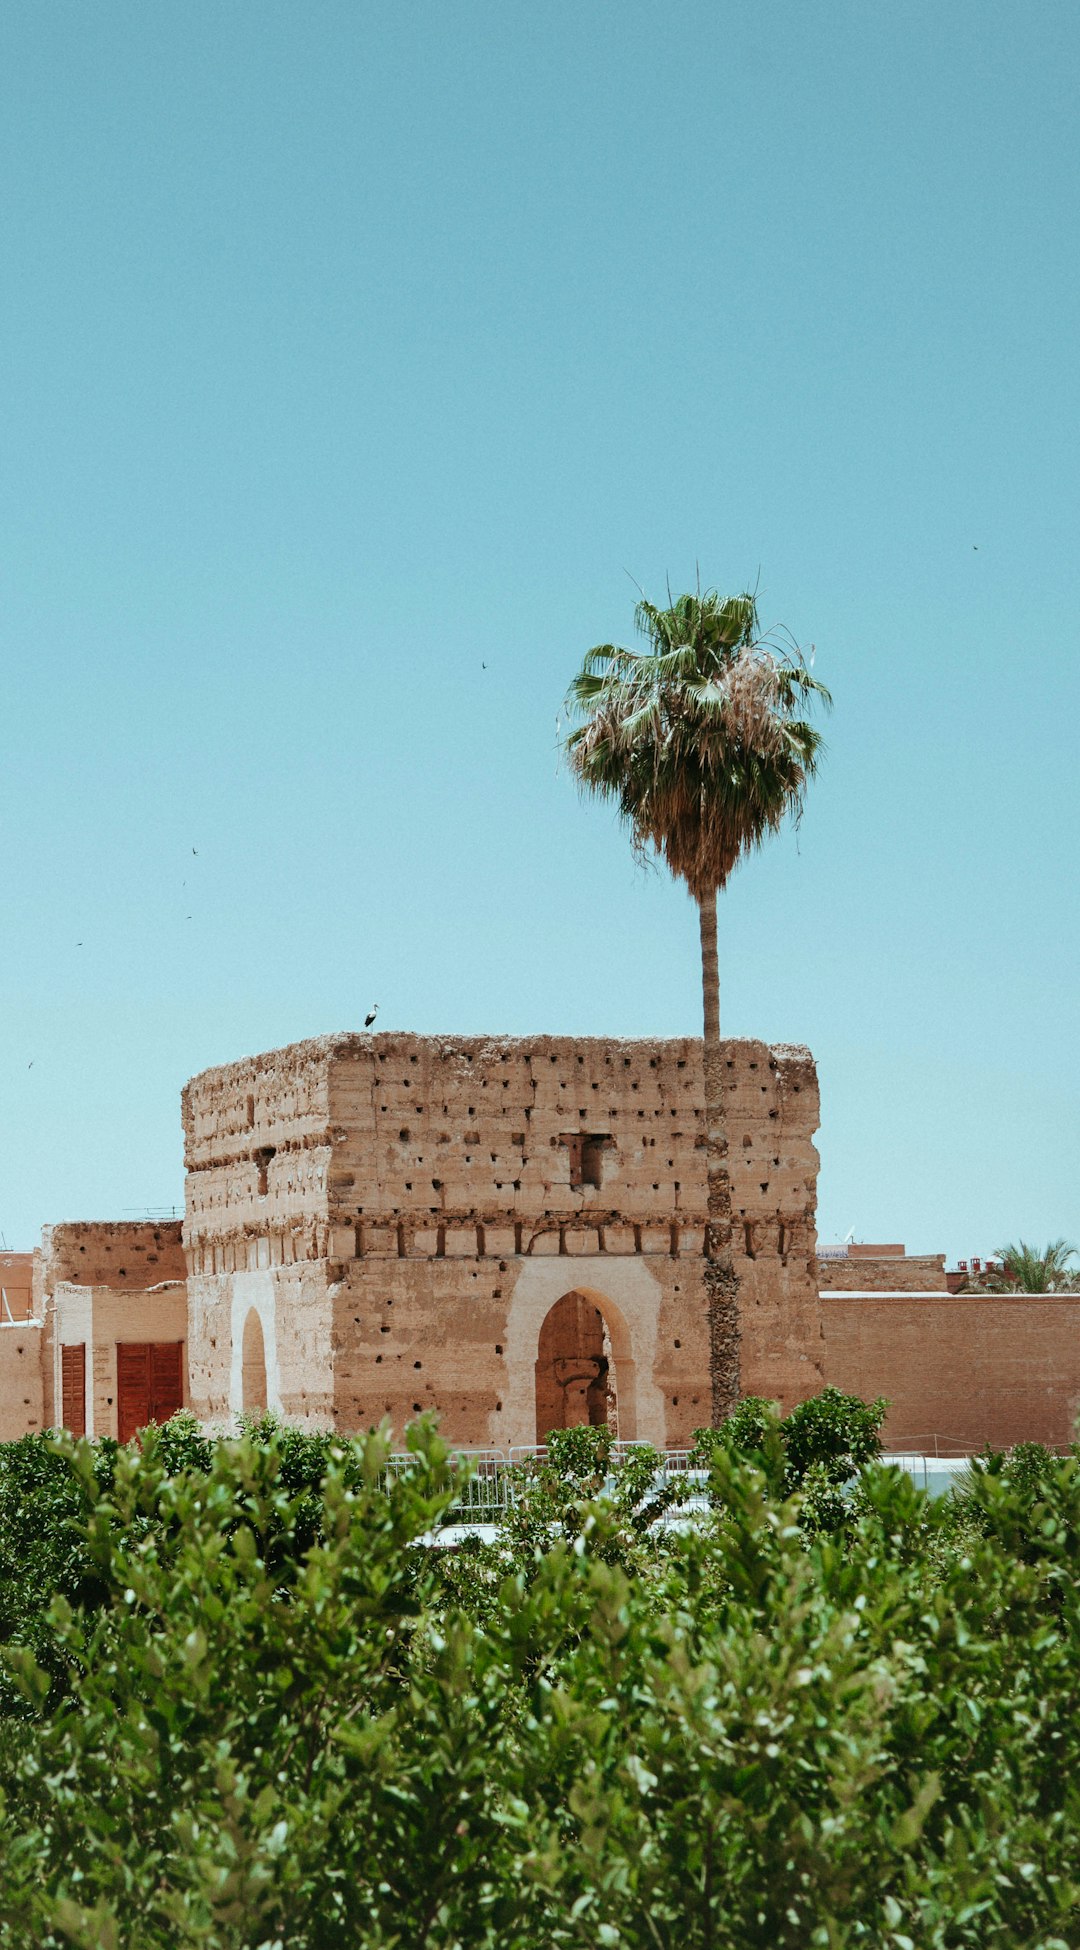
(122, 1256)
(888, 1273)
(16, 1286)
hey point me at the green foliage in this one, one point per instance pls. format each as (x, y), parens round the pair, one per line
(1035, 1269)
(816, 1452)
(46, 1491)
(292, 1722)
(697, 740)
(556, 1498)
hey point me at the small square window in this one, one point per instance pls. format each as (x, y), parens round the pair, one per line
(586, 1150)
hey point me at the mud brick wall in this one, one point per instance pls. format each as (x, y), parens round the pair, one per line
(22, 1400)
(914, 1273)
(971, 1368)
(257, 1146)
(436, 1179)
(124, 1257)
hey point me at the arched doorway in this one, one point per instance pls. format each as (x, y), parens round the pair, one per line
(575, 1368)
(253, 1387)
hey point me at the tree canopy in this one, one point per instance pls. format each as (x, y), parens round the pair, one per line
(701, 739)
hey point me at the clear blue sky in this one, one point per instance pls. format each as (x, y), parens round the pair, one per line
(349, 348)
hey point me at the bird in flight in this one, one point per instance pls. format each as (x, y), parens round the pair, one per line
(195, 851)
(368, 1020)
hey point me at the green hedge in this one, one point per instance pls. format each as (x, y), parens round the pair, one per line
(261, 1711)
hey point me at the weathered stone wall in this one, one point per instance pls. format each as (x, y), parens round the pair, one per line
(914, 1273)
(968, 1369)
(22, 1401)
(125, 1257)
(443, 1185)
(257, 1145)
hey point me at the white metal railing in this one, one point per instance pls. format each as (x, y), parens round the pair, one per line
(671, 1460)
(930, 1444)
(483, 1496)
(489, 1489)
(492, 1484)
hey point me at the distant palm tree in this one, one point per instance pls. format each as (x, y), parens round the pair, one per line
(1027, 1270)
(699, 742)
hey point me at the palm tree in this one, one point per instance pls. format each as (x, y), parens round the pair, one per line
(699, 742)
(1027, 1270)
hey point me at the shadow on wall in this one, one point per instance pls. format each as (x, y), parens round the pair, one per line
(254, 1366)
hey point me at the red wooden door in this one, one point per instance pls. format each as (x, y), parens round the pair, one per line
(149, 1383)
(73, 1387)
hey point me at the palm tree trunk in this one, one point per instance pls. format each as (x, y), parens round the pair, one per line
(721, 1279)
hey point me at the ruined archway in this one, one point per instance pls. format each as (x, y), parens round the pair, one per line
(253, 1384)
(582, 1366)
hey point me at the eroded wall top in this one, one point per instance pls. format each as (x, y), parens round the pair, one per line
(123, 1256)
(361, 1138)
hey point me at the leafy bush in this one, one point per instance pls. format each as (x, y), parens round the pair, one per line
(289, 1721)
(816, 1452)
(44, 1501)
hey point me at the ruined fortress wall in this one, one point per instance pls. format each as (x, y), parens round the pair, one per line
(257, 1146)
(455, 1133)
(978, 1369)
(437, 1181)
(125, 1257)
(461, 1335)
(914, 1273)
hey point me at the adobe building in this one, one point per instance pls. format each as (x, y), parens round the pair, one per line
(100, 1347)
(507, 1230)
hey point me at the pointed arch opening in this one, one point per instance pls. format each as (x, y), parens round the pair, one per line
(584, 1369)
(253, 1392)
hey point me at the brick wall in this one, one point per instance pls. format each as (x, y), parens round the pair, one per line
(972, 1368)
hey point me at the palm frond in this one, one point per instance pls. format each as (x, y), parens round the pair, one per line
(1034, 1269)
(700, 739)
